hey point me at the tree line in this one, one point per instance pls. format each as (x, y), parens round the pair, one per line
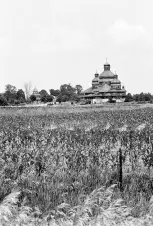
(66, 92)
(12, 96)
(142, 97)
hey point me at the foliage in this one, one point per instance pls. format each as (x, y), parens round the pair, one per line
(20, 95)
(14, 96)
(3, 101)
(98, 208)
(9, 88)
(54, 92)
(33, 98)
(45, 97)
(67, 93)
(142, 97)
(78, 89)
(49, 98)
(43, 92)
(129, 97)
(10, 93)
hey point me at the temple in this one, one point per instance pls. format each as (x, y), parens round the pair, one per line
(105, 87)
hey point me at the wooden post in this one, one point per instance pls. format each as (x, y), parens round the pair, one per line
(120, 171)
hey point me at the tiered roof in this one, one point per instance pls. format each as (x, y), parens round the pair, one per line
(106, 82)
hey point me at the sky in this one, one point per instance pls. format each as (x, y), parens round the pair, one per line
(55, 42)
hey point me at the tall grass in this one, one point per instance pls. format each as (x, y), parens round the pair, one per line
(103, 207)
(63, 166)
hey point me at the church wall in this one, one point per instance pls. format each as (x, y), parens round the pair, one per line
(99, 101)
(121, 100)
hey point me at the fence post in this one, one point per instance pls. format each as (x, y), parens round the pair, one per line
(120, 171)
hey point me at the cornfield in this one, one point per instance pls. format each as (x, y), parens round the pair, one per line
(63, 167)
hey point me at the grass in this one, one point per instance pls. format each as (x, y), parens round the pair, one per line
(59, 166)
(101, 207)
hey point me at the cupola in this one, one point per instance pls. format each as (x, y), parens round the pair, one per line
(106, 66)
(96, 75)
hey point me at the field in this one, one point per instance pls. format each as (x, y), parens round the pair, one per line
(76, 166)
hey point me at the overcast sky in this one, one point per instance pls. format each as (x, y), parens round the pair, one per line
(53, 42)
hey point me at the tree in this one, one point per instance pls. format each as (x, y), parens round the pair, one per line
(142, 97)
(49, 98)
(54, 92)
(33, 98)
(128, 97)
(67, 92)
(43, 94)
(45, 97)
(27, 89)
(10, 93)
(62, 98)
(136, 97)
(3, 101)
(148, 96)
(78, 89)
(10, 88)
(76, 98)
(20, 96)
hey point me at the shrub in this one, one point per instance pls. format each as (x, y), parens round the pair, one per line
(88, 102)
(33, 98)
(3, 101)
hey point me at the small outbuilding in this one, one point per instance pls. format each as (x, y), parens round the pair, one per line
(36, 94)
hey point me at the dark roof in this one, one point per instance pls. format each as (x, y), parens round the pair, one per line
(104, 88)
(117, 90)
(112, 80)
(115, 81)
(107, 94)
(95, 79)
(106, 74)
(123, 89)
(90, 90)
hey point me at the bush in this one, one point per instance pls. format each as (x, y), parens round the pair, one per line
(33, 98)
(16, 102)
(88, 102)
(3, 101)
(128, 97)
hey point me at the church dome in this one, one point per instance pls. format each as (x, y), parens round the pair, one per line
(35, 92)
(96, 78)
(107, 72)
